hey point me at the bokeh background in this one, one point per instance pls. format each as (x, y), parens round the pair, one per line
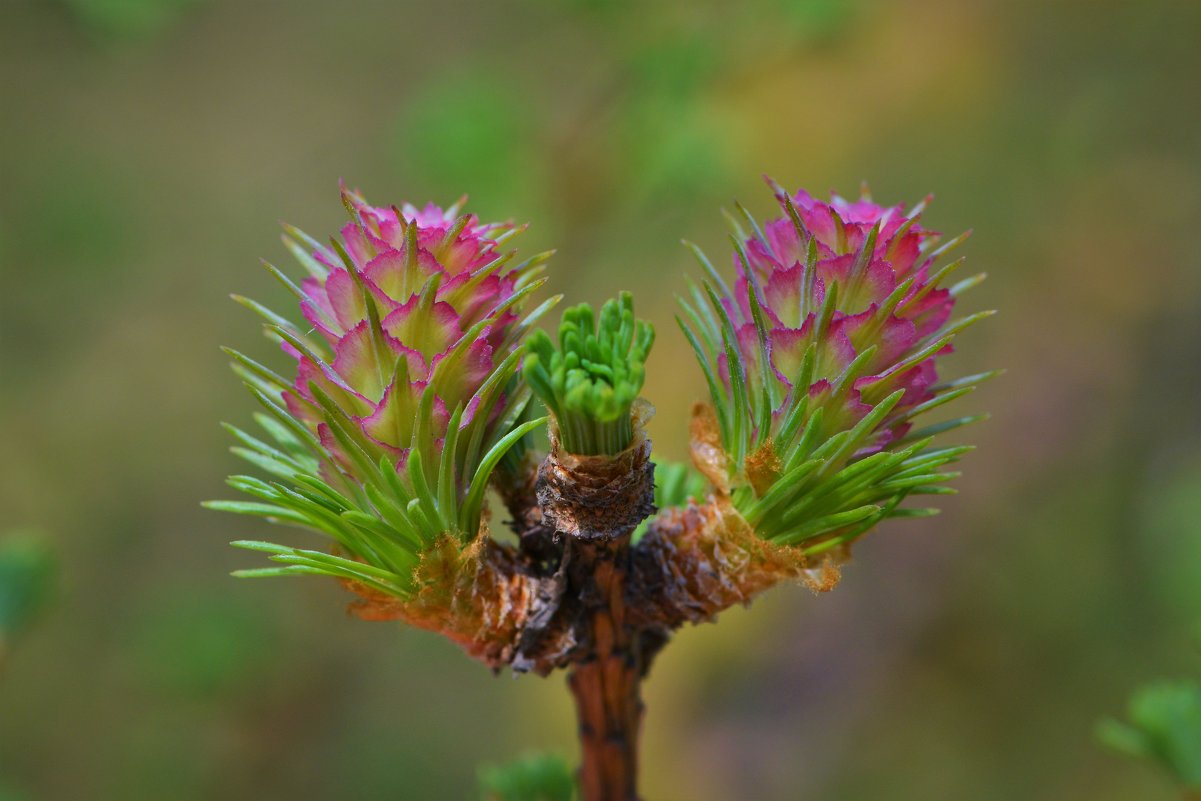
(148, 149)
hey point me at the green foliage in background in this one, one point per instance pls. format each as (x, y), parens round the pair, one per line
(27, 568)
(472, 130)
(1173, 506)
(128, 19)
(1164, 727)
(11, 794)
(140, 175)
(534, 777)
(198, 644)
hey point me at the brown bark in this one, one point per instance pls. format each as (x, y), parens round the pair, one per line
(479, 597)
(537, 543)
(699, 560)
(594, 504)
(606, 679)
(597, 497)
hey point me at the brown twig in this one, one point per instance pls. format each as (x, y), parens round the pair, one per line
(606, 678)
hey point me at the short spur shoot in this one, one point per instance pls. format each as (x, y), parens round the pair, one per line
(417, 376)
(591, 382)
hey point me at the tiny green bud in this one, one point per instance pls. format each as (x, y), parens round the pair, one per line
(591, 382)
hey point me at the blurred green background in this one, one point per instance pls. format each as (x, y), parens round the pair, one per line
(148, 149)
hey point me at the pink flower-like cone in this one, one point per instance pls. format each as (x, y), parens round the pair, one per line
(820, 356)
(405, 395)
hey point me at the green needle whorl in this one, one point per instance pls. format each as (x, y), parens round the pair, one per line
(592, 379)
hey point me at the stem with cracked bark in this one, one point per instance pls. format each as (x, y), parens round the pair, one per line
(606, 680)
(593, 503)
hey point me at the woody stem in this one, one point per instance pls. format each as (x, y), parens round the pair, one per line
(606, 681)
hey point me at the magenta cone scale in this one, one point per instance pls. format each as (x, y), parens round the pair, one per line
(822, 354)
(405, 394)
(395, 299)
